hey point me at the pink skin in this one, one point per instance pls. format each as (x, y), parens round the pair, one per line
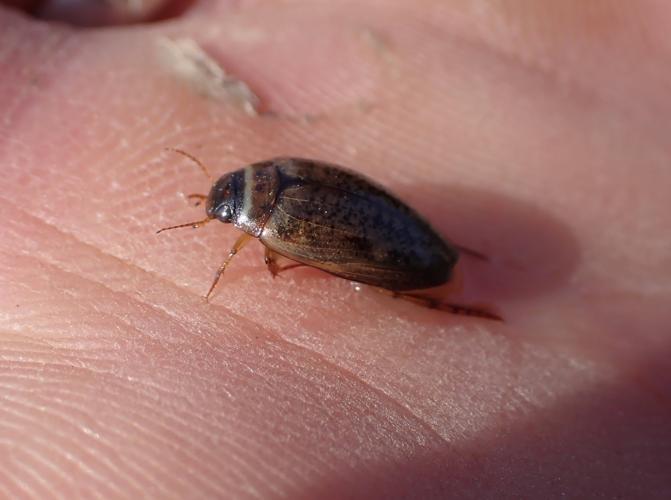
(538, 135)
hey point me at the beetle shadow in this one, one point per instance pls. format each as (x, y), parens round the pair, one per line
(529, 251)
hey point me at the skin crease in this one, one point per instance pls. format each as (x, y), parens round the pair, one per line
(535, 133)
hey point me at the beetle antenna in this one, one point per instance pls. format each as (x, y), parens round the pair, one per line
(195, 224)
(193, 159)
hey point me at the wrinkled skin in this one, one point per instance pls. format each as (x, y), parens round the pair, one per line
(536, 134)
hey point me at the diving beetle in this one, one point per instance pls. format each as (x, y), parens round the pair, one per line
(328, 217)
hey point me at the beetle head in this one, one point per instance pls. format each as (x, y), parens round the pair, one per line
(225, 199)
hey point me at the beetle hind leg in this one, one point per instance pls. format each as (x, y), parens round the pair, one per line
(459, 309)
(477, 311)
(472, 253)
(271, 258)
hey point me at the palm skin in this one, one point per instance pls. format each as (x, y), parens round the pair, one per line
(536, 134)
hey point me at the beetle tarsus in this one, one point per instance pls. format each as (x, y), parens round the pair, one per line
(474, 311)
(459, 309)
(471, 253)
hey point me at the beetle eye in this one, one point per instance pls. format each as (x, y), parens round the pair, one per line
(224, 213)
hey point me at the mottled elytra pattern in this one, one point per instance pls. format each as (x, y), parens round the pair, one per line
(335, 220)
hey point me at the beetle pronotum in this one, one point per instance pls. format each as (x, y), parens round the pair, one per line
(325, 216)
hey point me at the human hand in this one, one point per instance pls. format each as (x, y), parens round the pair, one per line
(537, 134)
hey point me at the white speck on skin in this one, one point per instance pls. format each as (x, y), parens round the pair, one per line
(90, 432)
(184, 58)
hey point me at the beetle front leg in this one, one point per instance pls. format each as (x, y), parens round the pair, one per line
(240, 242)
(270, 258)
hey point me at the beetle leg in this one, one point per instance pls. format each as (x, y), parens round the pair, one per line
(195, 225)
(200, 197)
(270, 258)
(432, 303)
(239, 243)
(470, 252)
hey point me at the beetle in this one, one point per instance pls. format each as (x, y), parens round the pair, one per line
(328, 217)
